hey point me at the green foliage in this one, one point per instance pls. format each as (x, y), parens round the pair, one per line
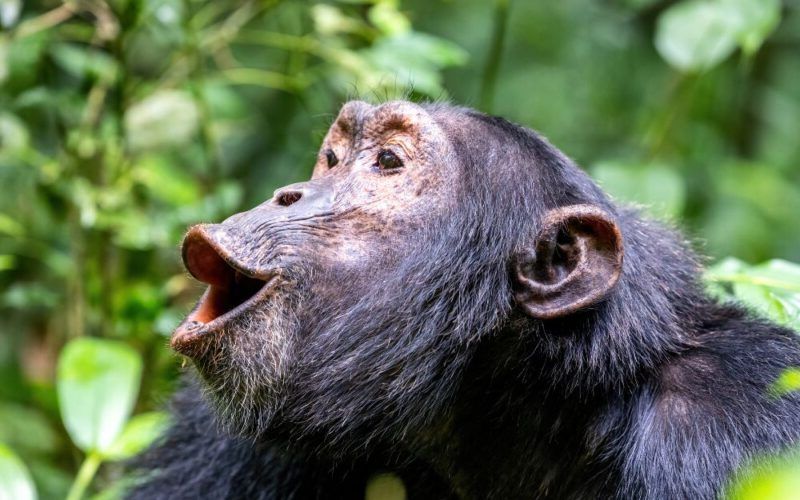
(15, 481)
(772, 288)
(773, 478)
(97, 385)
(695, 35)
(122, 122)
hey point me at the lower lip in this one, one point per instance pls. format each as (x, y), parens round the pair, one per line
(191, 330)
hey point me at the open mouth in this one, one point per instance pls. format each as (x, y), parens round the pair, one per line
(232, 289)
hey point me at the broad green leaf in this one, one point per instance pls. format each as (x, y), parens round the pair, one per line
(760, 298)
(15, 481)
(7, 262)
(165, 118)
(773, 288)
(695, 35)
(138, 434)
(727, 267)
(97, 385)
(658, 187)
(757, 19)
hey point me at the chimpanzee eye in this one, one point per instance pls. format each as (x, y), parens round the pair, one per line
(388, 160)
(331, 158)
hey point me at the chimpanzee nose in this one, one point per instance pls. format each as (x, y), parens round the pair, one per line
(312, 195)
(287, 196)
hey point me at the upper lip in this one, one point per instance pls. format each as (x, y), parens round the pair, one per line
(233, 288)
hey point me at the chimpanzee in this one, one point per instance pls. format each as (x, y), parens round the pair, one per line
(451, 300)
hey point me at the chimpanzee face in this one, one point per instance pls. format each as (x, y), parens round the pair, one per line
(382, 174)
(348, 291)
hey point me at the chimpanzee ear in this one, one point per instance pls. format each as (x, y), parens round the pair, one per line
(575, 262)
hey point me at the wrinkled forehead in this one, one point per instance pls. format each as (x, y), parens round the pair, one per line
(358, 120)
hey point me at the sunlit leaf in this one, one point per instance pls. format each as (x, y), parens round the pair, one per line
(165, 118)
(15, 480)
(771, 478)
(390, 21)
(788, 381)
(138, 434)
(10, 226)
(97, 385)
(329, 21)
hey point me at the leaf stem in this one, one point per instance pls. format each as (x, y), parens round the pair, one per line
(85, 475)
(492, 68)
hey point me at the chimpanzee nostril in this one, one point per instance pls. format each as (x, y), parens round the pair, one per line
(287, 198)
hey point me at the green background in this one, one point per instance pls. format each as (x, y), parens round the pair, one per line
(124, 121)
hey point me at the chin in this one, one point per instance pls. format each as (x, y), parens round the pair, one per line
(245, 365)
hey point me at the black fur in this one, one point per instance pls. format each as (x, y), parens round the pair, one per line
(432, 372)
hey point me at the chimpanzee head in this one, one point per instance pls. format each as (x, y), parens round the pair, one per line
(354, 301)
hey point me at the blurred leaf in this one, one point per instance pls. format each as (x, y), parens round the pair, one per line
(14, 136)
(167, 181)
(97, 385)
(9, 226)
(788, 381)
(7, 262)
(385, 487)
(26, 429)
(658, 187)
(414, 60)
(51, 482)
(167, 321)
(770, 478)
(9, 13)
(138, 434)
(329, 21)
(757, 19)
(15, 481)
(3, 59)
(773, 288)
(390, 21)
(695, 35)
(165, 118)
(29, 296)
(83, 62)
